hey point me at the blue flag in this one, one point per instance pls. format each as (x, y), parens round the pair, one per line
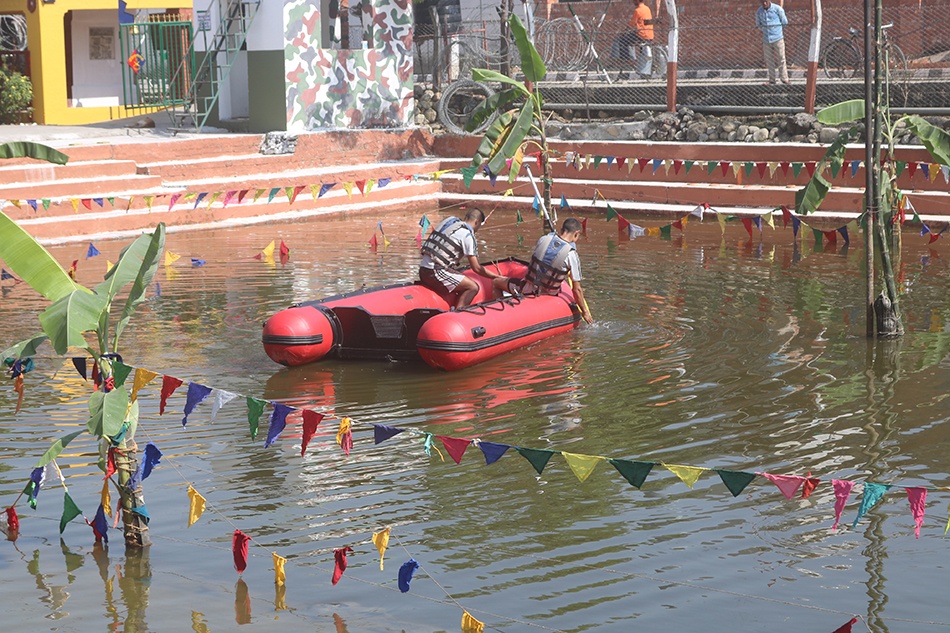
(5, 275)
(325, 188)
(152, 458)
(405, 574)
(197, 263)
(196, 393)
(278, 420)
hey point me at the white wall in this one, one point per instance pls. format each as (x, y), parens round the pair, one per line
(95, 82)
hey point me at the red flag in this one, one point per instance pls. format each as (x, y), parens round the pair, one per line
(677, 165)
(622, 223)
(241, 195)
(747, 223)
(911, 168)
(284, 250)
(297, 190)
(339, 563)
(643, 162)
(373, 242)
(934, 237)
(584, 225)
(846, 628)
(13, 521)
(810, 168)
(169, 384)
(762, 167)
(786, 216)
(678, 224)
(455, 446)
(311, 420)
(809, 485)
(620, 161)
(361, 185)
(86, 202)
(785, 165)
(110, 463)
(239, 549)
(831, 236)
(725, 165)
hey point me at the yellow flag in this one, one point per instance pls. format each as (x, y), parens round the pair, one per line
(381, 541)
(722, 221)
(315, 191)
(508, 192)
(470, 624)
(630, 164)
(108, 266)
(106, 498)
(258, 193)
(15, 203)
(214, 197)
(582, 465)
(279, 576)
(197, 507)
(148, 201)
(688, 474)
(345, 424)
(769, 219)
(369, 186)
(142, 378)
(348, 188)
(171, 258)
(666, 166)
(735, 169)
(653, 231)
(934, 170)
(772, 167)
(75, 203)
(268, 251)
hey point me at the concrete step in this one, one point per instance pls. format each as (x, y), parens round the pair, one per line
(40, 173)
(79, 187)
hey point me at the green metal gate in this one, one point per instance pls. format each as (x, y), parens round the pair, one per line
(159, 63)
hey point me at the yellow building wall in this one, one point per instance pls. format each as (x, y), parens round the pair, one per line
(47, 44)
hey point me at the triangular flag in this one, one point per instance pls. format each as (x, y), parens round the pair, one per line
(311, 420)
(70, 512)
(92, 251)
(381, 541)
(255, 408)
(196, 506)
(142, 378)
(788, 484)
(75, 203)
(538, 457)
(785, 165)
(279, 576)
(381, 433)
(872, 494)
(846, 627)
(348, 188)
(688, 474)
(762, 167)
(582, 465)
(169, 384)
(171, 258)
(634, 472)
(196, 393)
(470, 624)
(492, 451)
(735, 481)
(855, 166)
(278, 421)
(79, 363)
(221, 398)
(239, 550)
(455, 447)
(917, 498)
(468, 174)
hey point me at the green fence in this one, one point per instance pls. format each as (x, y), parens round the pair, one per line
(159, 63)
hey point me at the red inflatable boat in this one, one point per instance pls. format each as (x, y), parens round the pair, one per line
(408, 321)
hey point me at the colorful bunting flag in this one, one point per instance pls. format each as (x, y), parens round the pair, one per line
(255, 408)
(406, 570)
(537, 457)
(339, 563)
(581, 465)
(454, 446)
(344, 436)
(687, 474)
(381, 541)
(239, 549)
(311, 420)
(278, 421)
(470, 624)
(70, 512)
(735, 481)
(196, 393)
(92, 251)
(279, 576)
(873, 493)
(196, 505)
(917, 498)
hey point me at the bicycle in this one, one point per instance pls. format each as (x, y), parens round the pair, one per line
(843, 59)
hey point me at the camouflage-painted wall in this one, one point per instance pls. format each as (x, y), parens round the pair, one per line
(359, 88)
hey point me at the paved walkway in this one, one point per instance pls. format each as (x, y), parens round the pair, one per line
(118, 131)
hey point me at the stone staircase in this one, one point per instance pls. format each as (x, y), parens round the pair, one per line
(116, 189)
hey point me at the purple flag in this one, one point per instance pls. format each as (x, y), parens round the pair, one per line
(196, 393)
(278, 420)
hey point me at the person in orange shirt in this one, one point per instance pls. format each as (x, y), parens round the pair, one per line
(635, 44)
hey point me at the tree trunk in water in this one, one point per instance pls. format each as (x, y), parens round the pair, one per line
(135, 527)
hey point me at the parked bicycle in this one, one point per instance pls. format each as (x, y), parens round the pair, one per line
(844, 57)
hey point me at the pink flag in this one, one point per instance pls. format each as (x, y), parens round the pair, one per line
(917, 498)
(419, 238)
(788, 484)
(339, 563)
(842, 492)
(173, 200)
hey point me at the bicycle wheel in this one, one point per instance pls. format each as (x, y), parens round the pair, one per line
(561, 45)
(459, 101)
(896, 63)
(658, 69)
(840, 60)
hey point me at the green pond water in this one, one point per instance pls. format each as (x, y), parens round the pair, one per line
(710, 351)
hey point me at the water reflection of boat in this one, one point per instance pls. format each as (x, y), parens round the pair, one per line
(409, 321)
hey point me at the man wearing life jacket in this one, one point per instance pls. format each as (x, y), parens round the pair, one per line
(554, 260)
(451, 241)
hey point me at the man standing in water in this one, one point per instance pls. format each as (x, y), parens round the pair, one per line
(442, 254)
(554, 260)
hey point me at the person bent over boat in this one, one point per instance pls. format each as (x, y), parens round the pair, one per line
(451, 241)
(554, 260)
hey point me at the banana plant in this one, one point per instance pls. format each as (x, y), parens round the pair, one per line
(521, 120)
(810, 197)
(79, 318)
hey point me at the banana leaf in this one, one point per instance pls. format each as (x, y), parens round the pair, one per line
(519, 130)
(493, 139)
(516, 161)
(68, 318)
(810, 197)
(843, 112)
(531, 63)
(485, 75)
(24, 349)
(107, 412)
(29, 149)
(57, 447)
(33, 263)
(935, 139)
(495, 103)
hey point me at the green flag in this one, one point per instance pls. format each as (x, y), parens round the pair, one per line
(120, 371)
(634, 472)
(70, 512)
(255, 408)
(537, 456)
(735, 481)
(468, 174)
(611, 213)
(797, 168)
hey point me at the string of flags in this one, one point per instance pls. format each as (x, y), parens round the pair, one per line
(635, 472)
